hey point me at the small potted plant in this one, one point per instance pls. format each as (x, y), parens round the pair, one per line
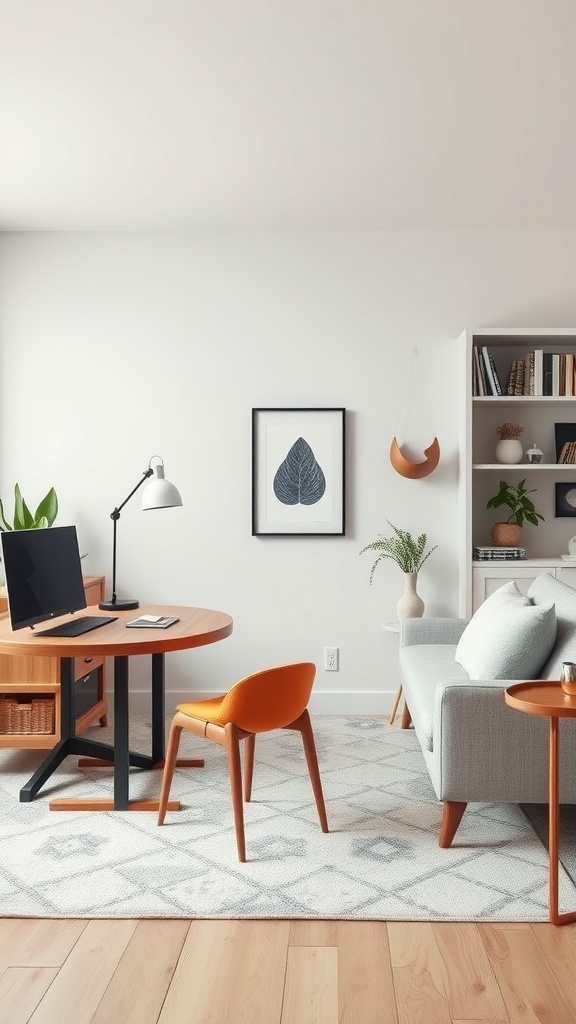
(409, 553)
(509, 532)
(509, 447)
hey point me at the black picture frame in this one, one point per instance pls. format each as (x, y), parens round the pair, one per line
(298, 472)
(564, 508)
(563, 433)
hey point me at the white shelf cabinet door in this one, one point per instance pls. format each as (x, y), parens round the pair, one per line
(487, 580)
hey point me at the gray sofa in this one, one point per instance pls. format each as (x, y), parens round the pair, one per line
(476, 748)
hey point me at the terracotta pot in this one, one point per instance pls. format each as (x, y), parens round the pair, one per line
(506, 535)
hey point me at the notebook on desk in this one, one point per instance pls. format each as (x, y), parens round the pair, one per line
(152, 622)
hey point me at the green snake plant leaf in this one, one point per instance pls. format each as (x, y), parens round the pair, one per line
(47, 509)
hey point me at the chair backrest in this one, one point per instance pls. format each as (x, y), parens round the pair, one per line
(269, 699)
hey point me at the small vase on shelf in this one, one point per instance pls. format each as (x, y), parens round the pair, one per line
(509, 451)
(410, 605)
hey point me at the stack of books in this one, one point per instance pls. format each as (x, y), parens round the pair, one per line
(497, 554)
(568, 453)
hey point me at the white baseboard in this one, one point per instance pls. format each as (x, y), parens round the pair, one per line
(368, 702)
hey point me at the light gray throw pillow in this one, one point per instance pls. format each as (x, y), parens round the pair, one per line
(508, 637)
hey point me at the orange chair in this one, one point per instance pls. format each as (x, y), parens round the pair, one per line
(276, 698)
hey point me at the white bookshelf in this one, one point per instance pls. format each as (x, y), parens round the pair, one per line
(480, 474)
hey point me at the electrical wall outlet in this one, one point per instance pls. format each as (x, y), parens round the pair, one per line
(331, 659)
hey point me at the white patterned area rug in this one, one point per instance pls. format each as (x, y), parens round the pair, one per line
(380, 861)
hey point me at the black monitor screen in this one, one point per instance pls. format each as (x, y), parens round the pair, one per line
(43, 574)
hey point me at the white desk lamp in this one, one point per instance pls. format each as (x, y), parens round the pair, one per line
(159, 493)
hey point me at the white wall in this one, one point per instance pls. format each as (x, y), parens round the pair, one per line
(119, 347)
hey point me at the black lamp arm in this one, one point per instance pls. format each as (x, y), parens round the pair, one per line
(115, 516)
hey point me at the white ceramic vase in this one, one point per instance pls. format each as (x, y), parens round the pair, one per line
(410, 605)
(509, 451)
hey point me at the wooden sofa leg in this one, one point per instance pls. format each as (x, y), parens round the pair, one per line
(452, 811)
(406, 717)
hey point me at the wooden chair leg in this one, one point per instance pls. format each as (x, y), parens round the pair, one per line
(304, 726)
(406, 717)
(169, 765)
(249, 745)
(452, 811)
(235, 773)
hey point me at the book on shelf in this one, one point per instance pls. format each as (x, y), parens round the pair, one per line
(538, 371)
(519, 380)
(528, 388)
(569, 374)
(547, 373)
(568, 454)
(556, 373)
(485, 553)
(479, 385)
(512, 378)
(495, 377)
(492, 387)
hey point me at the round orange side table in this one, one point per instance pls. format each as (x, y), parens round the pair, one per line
(549, 699)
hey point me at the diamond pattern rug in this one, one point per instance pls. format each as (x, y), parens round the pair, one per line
(380, 861)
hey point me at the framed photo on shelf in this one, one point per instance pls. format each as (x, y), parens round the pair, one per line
(565, 500)
(298, 472)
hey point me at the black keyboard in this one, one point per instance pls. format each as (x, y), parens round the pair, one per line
(77, 626)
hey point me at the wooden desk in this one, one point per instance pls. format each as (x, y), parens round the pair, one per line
(548, 698)
(197, 627)
(27, 679)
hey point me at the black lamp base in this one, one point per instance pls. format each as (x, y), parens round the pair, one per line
(120, 605)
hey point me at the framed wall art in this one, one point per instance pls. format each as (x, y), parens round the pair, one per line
(565, 500)
(298, 472)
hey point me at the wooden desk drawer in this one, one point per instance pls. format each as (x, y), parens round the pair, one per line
(82, 666)
(86, 693)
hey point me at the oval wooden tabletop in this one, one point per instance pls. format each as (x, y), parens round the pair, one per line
(196, 627)
(541, 698)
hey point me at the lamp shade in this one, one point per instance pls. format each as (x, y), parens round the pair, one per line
(159, 492)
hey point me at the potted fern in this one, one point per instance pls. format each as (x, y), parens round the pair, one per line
(409, 553)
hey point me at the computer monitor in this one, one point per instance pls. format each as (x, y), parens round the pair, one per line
(43, 574)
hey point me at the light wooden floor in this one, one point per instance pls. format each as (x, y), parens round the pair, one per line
(285, 972)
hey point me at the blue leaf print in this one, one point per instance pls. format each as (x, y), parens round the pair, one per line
(299, 479)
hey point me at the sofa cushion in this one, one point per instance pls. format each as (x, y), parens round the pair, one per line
(508, 637)
(543, 590)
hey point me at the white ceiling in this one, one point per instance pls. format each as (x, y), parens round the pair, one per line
(287, 114)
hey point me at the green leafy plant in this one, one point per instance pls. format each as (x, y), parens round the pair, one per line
(407, 551)
(23, 519)
(517, 500)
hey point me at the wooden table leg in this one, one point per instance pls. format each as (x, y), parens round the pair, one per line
(554, 827)
(395, 706)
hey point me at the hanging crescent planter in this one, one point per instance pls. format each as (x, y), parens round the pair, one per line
(415, 470)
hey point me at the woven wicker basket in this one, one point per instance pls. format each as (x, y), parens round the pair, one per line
(27, 716)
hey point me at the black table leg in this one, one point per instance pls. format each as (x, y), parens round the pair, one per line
(121, 734)
(158, 708)
(69, 743)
